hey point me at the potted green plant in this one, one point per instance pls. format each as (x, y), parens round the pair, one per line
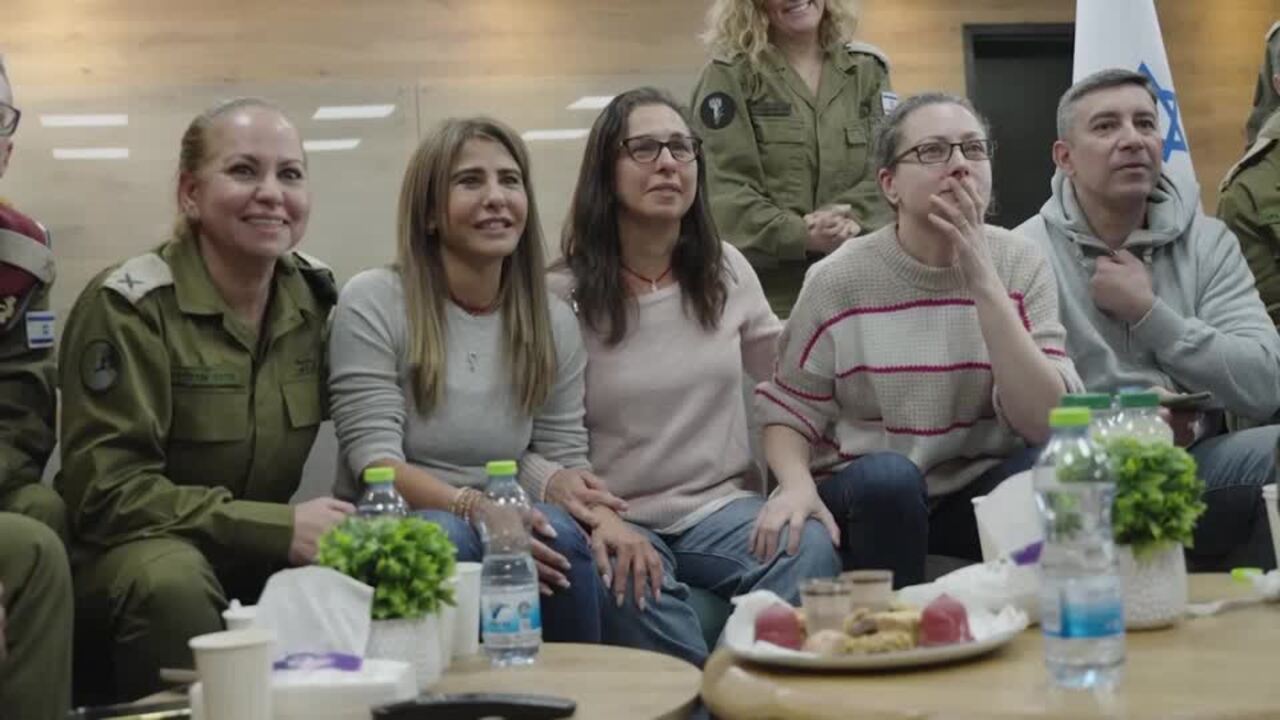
(409, 563)
(1153, 518)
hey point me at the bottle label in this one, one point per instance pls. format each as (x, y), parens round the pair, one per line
(1067, 615)
(513, 613)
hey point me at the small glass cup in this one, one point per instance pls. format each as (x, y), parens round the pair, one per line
(826, 604)
(870, 589)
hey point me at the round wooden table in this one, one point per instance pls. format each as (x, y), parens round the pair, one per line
(1223, 666)
(605, 681)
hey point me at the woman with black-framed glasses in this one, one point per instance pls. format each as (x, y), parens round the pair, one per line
(919, 366)
(671, 317)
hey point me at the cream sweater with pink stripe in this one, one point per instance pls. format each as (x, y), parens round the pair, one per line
(882, 352)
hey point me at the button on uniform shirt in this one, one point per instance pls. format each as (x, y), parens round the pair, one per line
(176, 420)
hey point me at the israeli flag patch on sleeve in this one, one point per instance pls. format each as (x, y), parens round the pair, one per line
(889, 101)
(40, 329)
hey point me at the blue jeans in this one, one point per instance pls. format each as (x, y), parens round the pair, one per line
(1233, 532)
(568, 615)
(882, 506)
(713, 555)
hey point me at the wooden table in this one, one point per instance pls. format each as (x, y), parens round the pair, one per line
(605, 681)
(1224, 666)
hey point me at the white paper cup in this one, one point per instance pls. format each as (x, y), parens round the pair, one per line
(985, 540)
(1273, 516)
(235, 673)
(240, 617)
(466, 622)
(448, 618)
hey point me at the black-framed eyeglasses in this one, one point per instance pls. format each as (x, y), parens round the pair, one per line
(936, 152)
(9, 116)
(645, 149)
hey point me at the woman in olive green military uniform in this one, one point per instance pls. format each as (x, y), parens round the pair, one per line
(785, 109)
(193, 382)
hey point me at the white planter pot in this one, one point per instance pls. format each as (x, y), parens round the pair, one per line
(1155, 586)
(416, 642)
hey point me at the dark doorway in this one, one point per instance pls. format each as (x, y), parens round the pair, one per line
(1015, 75)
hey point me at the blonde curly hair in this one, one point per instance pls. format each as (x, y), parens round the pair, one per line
(740, 27)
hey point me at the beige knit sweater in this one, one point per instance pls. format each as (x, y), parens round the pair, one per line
(882, 352)
(665, 409)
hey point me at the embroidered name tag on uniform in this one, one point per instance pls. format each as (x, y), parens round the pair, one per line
(207, 377)
(770, 108)
(40, 329)
(889, 101)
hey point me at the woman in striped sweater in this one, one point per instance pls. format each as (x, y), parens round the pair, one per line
(919, 364)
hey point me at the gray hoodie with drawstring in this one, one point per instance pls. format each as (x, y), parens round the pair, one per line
(1208, 330)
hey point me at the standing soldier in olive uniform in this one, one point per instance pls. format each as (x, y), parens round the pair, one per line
(786, 109)
(35, 583)
(193, 379)
(1249, 200)
(1266, 96)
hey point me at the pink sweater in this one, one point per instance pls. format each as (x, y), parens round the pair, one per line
(882, 352)
(665, 410)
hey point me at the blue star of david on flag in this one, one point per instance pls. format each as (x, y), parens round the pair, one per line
(1174, 140)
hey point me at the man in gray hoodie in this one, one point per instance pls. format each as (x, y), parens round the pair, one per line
(1154, 293)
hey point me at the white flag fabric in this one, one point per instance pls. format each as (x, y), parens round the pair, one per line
(1126, 34)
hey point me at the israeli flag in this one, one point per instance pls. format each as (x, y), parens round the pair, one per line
(1126, 34)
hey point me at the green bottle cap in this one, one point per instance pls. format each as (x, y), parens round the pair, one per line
(1093, 401)
(1066, 417)
(500, 467)
(1139, 400)
(375, 475)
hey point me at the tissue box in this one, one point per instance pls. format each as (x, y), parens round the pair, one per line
(330, 694)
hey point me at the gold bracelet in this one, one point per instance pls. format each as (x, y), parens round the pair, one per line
(464, 503)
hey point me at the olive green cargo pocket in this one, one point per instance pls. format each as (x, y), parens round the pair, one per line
(783, 146)
(304, 403)
(857, 156)
(204, 416)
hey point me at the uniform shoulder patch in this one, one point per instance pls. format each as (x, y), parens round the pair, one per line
(1260, 147)
(319, 277)
(717, 110)
(868, 49)
(138, 276)
(310, 261)
(99, 366)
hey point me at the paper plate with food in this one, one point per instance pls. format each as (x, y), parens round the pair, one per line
(766, 629)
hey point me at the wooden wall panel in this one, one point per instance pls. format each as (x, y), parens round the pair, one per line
(1214, 47)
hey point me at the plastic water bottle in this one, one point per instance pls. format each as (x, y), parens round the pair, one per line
(1101, 408)
(1081, 605)
(1139, 418)
(380, 498)
(510, 612)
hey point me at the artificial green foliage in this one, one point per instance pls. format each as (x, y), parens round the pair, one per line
(1157, 494)
(407, 562)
